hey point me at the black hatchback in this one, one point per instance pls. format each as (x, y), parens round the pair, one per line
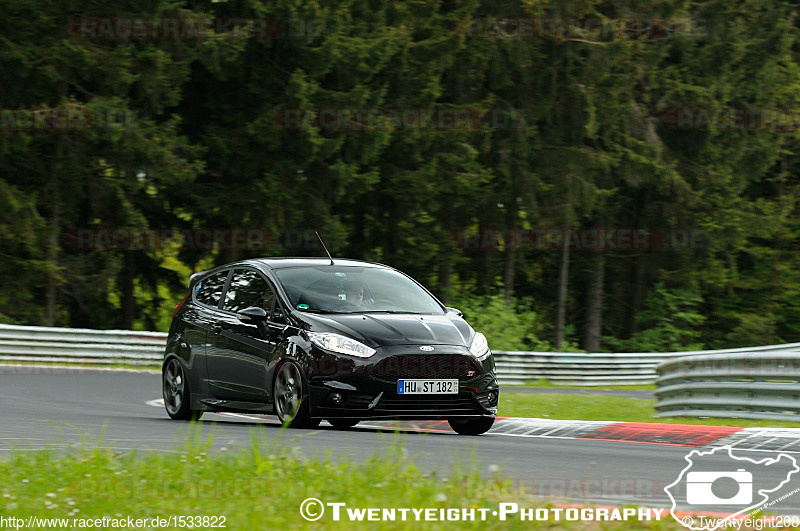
(312, 339)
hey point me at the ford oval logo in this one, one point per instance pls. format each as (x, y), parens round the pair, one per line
(426, 348)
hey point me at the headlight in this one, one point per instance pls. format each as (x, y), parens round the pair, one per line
(340, 344)
(479, 347)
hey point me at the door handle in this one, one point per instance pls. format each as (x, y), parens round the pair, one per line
(216, 329)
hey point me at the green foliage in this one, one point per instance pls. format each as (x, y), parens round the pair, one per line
(510, 325)
(567, 131)
(670, 322)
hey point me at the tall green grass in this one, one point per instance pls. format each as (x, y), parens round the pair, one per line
(260, 487)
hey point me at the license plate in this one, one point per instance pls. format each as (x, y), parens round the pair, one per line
(427, 387)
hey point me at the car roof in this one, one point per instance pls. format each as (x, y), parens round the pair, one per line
(284, 262)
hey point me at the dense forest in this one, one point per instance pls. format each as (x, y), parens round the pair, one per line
(616, 176)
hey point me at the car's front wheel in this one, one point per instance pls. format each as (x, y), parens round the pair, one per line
(291, 397)
(175, 389)
(475, 426)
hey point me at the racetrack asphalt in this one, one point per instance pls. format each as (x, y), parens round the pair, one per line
(604, 462)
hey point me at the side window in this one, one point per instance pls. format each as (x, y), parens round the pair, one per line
(248, 288)
(209, 290)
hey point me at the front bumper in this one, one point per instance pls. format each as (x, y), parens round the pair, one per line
(367, 389)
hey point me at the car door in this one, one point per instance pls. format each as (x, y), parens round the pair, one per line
(242, 351)
(203, 315)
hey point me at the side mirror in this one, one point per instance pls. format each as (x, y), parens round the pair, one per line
(252, 315)
(455, 311)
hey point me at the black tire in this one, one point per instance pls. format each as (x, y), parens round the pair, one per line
(343, 424)
(475, 426)
(175, 389)
(291, 397)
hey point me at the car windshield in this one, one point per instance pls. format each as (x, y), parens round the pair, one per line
(355, 289)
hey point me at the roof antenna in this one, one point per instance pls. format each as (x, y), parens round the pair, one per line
(323, 246)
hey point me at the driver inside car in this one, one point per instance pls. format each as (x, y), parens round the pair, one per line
(354, 295)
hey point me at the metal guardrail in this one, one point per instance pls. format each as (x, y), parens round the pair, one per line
(759, 383)
(77, 345)
(747, 382)
(579, 368)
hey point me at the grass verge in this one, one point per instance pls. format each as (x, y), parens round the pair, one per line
(615, 408)
(543, 383)
(258, 488)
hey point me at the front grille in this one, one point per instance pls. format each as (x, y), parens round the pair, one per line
(459, 402)
(409, 366)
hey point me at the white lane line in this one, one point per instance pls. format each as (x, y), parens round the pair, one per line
(792, 443)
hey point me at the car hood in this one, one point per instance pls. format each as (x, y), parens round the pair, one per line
(375, 329)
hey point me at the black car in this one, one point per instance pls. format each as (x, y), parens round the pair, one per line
(312, 339)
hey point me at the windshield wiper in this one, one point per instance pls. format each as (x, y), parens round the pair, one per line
(392, 311)
(318, 310)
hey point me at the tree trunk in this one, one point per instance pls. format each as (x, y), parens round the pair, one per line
(594, 305)
(637, 296)
(51, 293)
(485, 269)
(509, 268)
(391, 229)
(446, 254)
(127, 299)
(445, 277)
(510, 244)
(51, 286)
(561, 305)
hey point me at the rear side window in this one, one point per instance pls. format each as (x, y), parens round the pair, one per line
(209, 290)
(247, 289)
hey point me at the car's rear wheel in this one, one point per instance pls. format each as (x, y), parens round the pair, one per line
(291, 397)
(175, 389)
(343, 424)
(476, 426)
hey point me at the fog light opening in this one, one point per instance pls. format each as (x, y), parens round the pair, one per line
(337, 398)
(489, 398)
